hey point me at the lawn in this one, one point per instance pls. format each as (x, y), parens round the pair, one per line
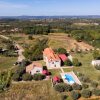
(86, 67)
(6, 62)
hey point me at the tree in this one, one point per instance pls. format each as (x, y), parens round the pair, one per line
(59, 88)
(68, 63)
(75, 95)
(30, 37)
(38, 77)
(26, 77)
(16, 77)
(77, 87)
(96, 92)
(86, 93)
(96, 54)
(94, 84)
(20, 70)
(37, 48)
(68, 87)
(76, 62)
(24, 63)
(85, 86)
(62, 51)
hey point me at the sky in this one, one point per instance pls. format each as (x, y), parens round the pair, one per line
(49, 7)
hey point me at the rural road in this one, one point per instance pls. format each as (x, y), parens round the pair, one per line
(20, 49)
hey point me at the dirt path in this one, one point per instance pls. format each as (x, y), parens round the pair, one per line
(20, 52)
(20, 49)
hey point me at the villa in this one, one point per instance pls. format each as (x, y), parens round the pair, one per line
(51, 58)
(34, 68)
(70, 78)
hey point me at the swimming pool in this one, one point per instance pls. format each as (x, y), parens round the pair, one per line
(69, 78)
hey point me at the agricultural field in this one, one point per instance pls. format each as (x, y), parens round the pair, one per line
(6, 62)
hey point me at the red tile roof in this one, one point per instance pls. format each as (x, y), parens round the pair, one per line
(50, 54)
(45, 72)
(63, 57)
(56, 79)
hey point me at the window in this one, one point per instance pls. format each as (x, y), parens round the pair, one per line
(38, 71)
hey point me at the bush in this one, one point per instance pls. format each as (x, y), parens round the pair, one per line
(96, 92)
(59, 88)
(68, 87)
(24, 63)
(94, 84)
(21, 70)
(30, 37)
(76, 62)
(64, 97)
(97, 67)
(38, 77)
(62, 51)
(16, 77)
(85, 79)
(86, 93)
(63, 87)
(26, 77)
(77, 87)
(75, 95)
(68, 63)
(85, 86)
(44, 67)
(1, 88)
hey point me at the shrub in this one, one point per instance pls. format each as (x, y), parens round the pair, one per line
(24, 63)
(62, 51)
(38, 77)
(27, 77)
(94, 84)
(64, 97)
(59, 88)
(85, 86)
(67, 87)
(85, 79)
(96, 92)
(97, 67)
(21, 70)
(75, 95)
(16, 77)
(30, 37)
(1, 88)
(68, 63)
(86, 93)
(44, 67)
(77, 87)
(76, 62)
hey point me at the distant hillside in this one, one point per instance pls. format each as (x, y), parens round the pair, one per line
(48, 17)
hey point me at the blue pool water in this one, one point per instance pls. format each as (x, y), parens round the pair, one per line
(69, 78)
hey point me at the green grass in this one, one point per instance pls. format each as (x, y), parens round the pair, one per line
(55, 72)
(6, 62)
(86, 67)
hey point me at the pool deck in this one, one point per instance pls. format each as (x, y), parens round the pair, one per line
(73, 75)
